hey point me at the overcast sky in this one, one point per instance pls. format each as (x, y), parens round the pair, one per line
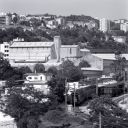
(110, 9)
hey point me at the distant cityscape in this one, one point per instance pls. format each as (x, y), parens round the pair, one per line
(52, 21)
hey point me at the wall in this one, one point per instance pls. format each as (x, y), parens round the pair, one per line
(93, 61)
(71, 52)
(36, 53)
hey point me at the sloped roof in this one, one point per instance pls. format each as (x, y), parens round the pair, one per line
(109, 56)
(32, 44)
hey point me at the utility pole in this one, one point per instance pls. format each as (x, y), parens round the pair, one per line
(66, 94)
(74, 97)
(100, 126)
(124, 84)
(96, 86)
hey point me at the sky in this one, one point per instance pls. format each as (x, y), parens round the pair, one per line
(110, 9)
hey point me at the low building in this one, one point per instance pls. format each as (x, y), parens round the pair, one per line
(38, 80)
(119, 39)
(108, 59)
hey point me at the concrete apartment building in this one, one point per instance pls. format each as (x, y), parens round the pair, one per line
(104, 25)
(5, 19)
(4, 49)
(124, 27)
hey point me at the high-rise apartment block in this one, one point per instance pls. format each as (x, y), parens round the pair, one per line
(104, 25)
(124, 27)
(4, 49)
(5, 19)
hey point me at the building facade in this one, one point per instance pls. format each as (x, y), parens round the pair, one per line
(104, 25)
(4, 49)
(5, 19)
(124, 27)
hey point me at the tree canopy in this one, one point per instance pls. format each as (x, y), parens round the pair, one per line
(71, 72)
(39, 68)
(111, 115)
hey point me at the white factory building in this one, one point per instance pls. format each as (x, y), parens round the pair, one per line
(49, 53)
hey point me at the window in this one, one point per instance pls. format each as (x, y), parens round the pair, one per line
(29, 77)
(6, 50)
(35, 78)
(6, 46)
(70, 50)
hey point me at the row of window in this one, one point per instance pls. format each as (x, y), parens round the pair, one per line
(35, 78)
(6, 46)
(6, 55)
(6, 50)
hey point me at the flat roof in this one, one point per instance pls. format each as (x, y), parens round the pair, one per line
(109, 56)
(84, 50)
(91, 69)
(69, 46)
(31, 44)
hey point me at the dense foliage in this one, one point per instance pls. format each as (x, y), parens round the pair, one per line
(84, 64)
(111, 115)
(12, 33)
(39, 68)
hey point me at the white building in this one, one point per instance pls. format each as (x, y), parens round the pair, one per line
(4, 48)
(5, 19)
(124, 27)
(60, 21)
(30, 53)
(119, 39)
(39, 81)
(104, 25)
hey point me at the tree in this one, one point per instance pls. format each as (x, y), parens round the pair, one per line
(25, 70)
(119, 66)
(57, 87)
(25, 104)
(35, 22)
(39, 68)
(7, 72)
(52, 70)
(83, 64)
(70, 71)
(111, 115)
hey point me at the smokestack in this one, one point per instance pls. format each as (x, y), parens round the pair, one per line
(57, 41)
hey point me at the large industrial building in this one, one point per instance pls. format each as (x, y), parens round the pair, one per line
(29, 53)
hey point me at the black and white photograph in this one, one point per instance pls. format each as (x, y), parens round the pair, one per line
(63, 63)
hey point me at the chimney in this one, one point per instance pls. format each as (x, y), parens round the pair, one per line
(57, 41)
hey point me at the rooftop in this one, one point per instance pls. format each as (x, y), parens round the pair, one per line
(91, 69)
(109, 56)
(69, 46)
(32, 44)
